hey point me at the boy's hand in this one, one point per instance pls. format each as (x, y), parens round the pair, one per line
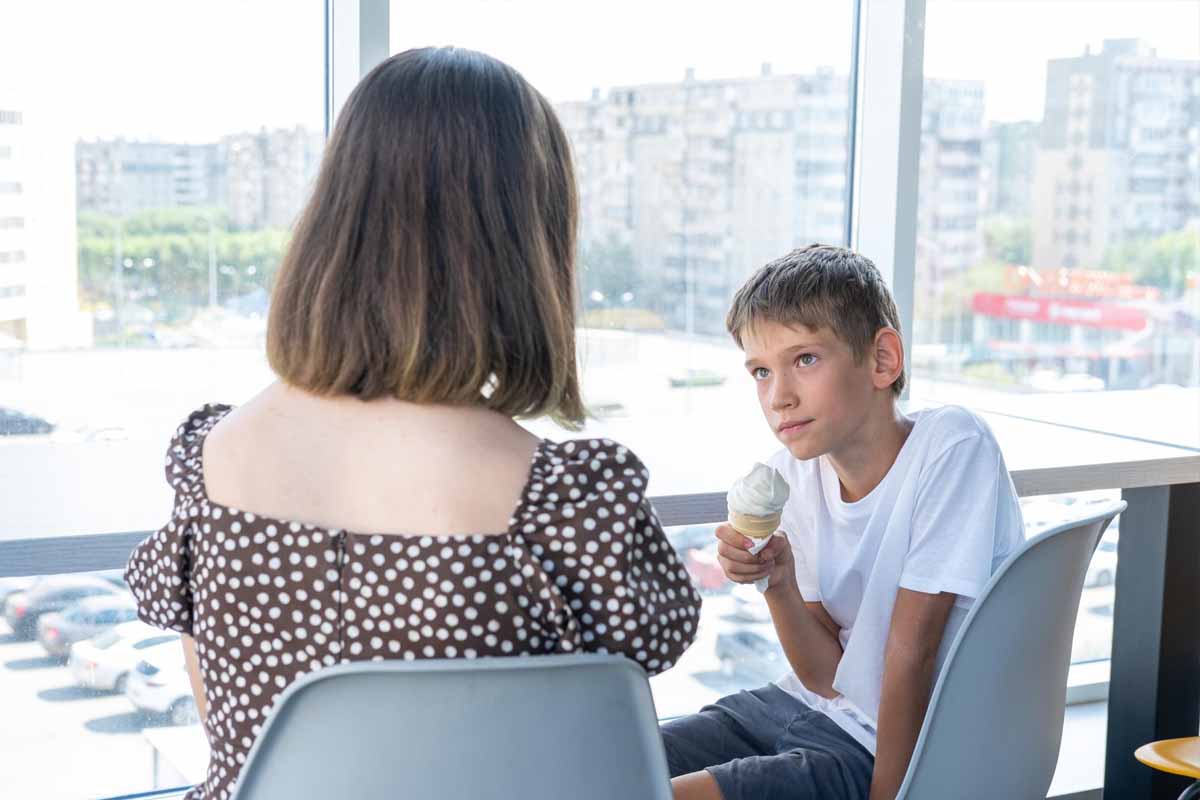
(773, 562)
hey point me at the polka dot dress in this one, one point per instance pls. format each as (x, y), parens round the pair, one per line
(583, 566)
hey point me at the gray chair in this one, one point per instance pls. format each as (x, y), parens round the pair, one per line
(995, 719)
(542, 728)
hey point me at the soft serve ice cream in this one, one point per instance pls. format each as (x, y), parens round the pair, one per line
(756, 504)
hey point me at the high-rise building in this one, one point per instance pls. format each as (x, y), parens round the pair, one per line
(948, 235)
(706, 181)
(13, 236)
(261, 178)
(122, 177)
(268, 175)
(1008, 156)
(1119, 156)
(39, 305)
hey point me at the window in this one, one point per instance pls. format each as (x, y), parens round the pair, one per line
(729, 156)
(719, 163)
(137, 240)
(1032, 111)
(1038, 318)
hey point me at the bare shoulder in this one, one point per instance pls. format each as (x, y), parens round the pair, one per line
(383, 466)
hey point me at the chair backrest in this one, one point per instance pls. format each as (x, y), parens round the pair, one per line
(995, 718)
(540, 727)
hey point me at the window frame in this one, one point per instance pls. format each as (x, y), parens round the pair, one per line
(884, 129)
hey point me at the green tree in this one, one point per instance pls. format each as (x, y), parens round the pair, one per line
(165, 259)
(1009, 241)
(1163, 262)
(608, 268)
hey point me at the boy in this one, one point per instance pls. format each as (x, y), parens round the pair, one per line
(894, 524)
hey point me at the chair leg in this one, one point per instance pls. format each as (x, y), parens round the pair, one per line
(1192, 792)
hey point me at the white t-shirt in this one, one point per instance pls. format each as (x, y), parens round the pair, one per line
(942, 520)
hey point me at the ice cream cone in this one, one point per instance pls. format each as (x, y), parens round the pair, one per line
(756, 527)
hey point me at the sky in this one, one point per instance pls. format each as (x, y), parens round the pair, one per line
(193, 70)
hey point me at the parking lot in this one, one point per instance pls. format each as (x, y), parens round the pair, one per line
(58, 740)
(62, 742)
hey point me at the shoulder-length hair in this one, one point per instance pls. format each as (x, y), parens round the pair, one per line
(434, 261)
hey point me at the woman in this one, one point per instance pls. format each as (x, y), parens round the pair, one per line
(379, 501)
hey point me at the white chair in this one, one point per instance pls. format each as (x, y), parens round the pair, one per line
(995, 719)
(543, 728)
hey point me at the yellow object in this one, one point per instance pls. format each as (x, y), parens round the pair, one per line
(1176, 756)
(755, 527)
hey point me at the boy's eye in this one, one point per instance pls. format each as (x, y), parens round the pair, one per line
(806, 359)
(760, 373)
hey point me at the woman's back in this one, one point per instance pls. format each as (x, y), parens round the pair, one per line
(580, 565)
(383, 466)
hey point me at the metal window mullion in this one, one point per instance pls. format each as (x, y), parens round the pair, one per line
(356, 39)
(889, 49)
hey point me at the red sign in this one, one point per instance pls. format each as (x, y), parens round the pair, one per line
(1058, 312)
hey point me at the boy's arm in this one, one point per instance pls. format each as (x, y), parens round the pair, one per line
(918, 622)
(812, 650)
(809, 642)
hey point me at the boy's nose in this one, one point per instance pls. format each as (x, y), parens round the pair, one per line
(783, 397)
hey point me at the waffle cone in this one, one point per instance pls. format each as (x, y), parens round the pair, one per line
(754, 527)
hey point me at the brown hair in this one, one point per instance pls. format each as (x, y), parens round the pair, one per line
(819, 286)
(434, 261)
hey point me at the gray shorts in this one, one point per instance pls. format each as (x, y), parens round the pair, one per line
(767, 745)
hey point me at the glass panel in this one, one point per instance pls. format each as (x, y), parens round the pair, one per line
(709, 146)
(76, 701)
(736, 646)
(145, 196)
(1094, 624)
(145, 199)
(1058, 240)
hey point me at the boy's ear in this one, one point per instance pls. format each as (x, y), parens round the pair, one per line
(887, 357)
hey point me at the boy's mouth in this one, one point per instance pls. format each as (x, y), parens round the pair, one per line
(792, 426)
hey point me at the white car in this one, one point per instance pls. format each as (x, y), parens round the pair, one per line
(105, 661)
(1103, 569)
(159, 684)
(749, 605)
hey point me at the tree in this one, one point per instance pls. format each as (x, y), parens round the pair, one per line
(1009, 241)
(165, 259)
(608, 273)
(1163, 262)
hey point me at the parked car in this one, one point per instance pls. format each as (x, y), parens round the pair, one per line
(691, 537)
(114, 576)
(105, 661)
(1102, 571)
(11, 586)
(17, 423)
(749, 605)
(753, 656)
(159, 685)
(24, 609)
(706, 572)
(696, 377)
(58, 630)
